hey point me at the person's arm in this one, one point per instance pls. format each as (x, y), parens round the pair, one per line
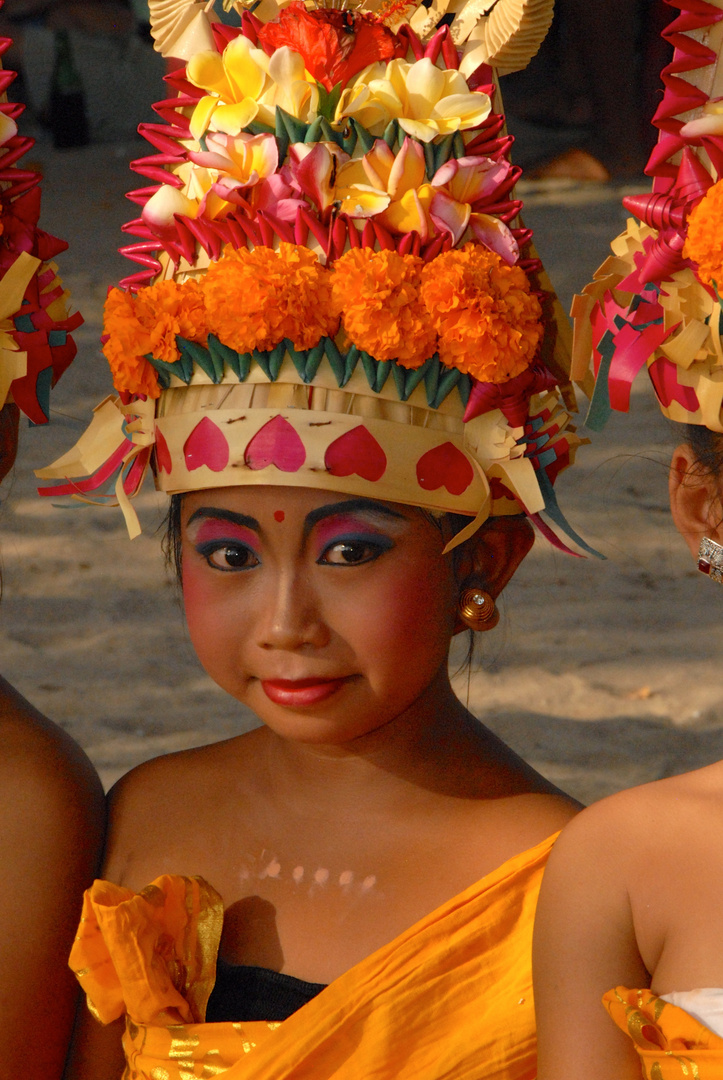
(52, 819)
(584, 946)
(96, 1051)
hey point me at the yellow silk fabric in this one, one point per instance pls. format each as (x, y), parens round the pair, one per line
(671, 1044)
(450, 997)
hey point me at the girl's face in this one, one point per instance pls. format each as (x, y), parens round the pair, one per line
(327, 615)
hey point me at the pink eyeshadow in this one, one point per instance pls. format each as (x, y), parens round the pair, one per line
(331, 528)
(216, 529)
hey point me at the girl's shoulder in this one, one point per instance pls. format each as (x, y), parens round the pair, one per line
(41, 764)
(161, 812)
(630, 841)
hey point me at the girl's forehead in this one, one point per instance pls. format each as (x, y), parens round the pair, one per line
(282, 504)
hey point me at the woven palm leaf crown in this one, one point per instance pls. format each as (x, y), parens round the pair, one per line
(656, 302)
(36, 345)
(336, 290)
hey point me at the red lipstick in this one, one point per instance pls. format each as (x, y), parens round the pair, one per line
(300, 692)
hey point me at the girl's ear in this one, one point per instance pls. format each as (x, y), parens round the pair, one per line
(695, 500)
(489, 558)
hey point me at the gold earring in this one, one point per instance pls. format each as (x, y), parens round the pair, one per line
(477, 610)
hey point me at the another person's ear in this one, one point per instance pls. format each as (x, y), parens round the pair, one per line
(488, 559)
(696, 500)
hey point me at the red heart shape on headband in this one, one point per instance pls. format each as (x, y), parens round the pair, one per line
(163, 454)
(445, 466)
(206, 445)
(356, 451)
(276, 443)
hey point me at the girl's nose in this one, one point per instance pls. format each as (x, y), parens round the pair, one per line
(293, 619)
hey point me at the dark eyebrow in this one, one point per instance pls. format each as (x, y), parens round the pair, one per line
(369, 506)
(225, 515)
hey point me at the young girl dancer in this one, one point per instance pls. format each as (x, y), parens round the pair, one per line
(630, 911)
(51, 801)
(345, 377)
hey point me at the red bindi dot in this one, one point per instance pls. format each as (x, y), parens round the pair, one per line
(279, 515)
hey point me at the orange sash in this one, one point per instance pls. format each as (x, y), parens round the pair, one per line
(449, 998)
(671, 1044)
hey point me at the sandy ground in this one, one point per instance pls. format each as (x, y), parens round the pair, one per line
(602, 674)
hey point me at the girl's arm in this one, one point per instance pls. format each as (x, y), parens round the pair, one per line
(585, 945)
(51, 830)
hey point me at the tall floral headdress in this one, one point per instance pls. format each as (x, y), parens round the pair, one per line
(336, 289)
(656, 302)
(35, 326)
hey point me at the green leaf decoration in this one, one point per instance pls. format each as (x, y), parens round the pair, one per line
(399, 374)
(185, 363)
(465, 388)
(348, 136)
(200, 356)
(276, 359)
(415, 376)
(316, 355)
(336, 361)
(458, 148)
(298, 357)
(390, 134)
(370, 369)
(282, 135)
(163, 371)
(314, 131)
(328, 133)
(352, 359)
(443, 151)
(431, 380)
(328, 100)
(221, 355)
(244, 365)
(384, 368)
(295, 127)
(262, 359)
(430, 166)
(257, 128)
(365, 137)
(447, 383)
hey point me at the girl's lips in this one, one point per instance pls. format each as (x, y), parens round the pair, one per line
(300, 692)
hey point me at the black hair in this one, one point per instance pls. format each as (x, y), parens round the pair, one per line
(707, 446)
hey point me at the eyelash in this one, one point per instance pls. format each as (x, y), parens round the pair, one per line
(376, 546)
(210, 547)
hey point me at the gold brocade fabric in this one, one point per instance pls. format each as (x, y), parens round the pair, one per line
(449, 998)
(671, 1044)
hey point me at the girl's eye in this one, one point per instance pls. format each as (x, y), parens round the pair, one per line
(353, 552)
(226, 555)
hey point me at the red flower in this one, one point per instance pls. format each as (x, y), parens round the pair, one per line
(335, 45)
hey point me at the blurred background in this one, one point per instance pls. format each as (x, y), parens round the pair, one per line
(602, 673)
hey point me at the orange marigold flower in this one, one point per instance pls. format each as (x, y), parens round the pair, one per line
(488, 321)
(704, 242)
(378, 293)
(255, 299)
(128, 343)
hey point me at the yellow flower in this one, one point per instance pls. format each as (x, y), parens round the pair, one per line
(391, 187)
(244, 84)
(426, 100)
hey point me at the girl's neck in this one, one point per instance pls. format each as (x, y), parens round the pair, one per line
(434, 749)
